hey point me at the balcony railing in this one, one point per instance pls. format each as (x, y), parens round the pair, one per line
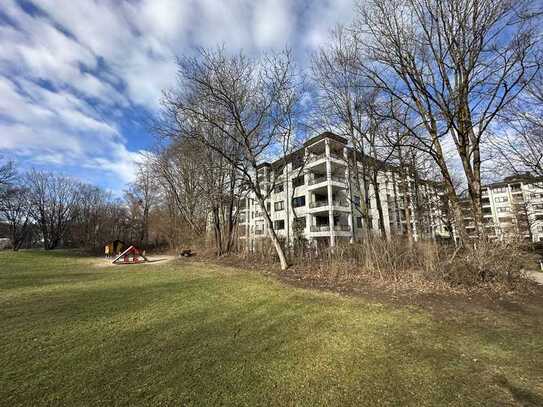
(317, 180)
(315, 157)
(320, 228)
(326, 228)
(334, 178)
(319, 204)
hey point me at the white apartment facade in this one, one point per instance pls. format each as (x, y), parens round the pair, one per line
(326, 204)
(512, 207)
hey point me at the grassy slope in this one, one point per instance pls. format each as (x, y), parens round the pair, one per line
(74, 334)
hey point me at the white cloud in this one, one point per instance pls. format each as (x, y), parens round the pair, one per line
(273, 23)
(71, 71)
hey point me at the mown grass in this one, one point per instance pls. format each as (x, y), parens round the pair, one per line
(193, 334)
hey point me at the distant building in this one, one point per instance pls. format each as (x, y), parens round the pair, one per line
(511, 207)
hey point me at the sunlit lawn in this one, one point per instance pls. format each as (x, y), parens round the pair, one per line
(194, 334)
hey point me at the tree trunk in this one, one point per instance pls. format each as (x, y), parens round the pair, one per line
(273, 235)
(376, 191)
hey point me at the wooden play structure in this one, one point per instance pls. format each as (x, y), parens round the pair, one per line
(114, 248)
(132, 255)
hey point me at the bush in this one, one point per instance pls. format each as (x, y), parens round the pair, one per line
(487, 265)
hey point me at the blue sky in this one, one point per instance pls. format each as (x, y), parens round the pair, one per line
(79, 79)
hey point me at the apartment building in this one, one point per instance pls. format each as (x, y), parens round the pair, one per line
(511, 207)
(317, 183)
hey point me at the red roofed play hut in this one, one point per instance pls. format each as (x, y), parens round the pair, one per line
(132, 255)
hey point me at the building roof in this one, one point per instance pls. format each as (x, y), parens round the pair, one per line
(322, 136)
(526, 178)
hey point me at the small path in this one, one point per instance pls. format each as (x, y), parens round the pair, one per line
(152, 260)
(536, 276)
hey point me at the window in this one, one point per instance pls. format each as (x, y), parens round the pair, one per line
(498, 190)
(499, 199)
(279, 224)
(299, 223)
(540, 229)
(358, 222)
(279, 188)
(356, 200)
(279, 206)
(298, 181)
(538, 217)
(268, 207)
(503, 209)
(298, 201)
(538, 206)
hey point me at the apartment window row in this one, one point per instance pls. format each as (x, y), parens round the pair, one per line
(499, 199)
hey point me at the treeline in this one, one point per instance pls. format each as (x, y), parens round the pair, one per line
(49, 210)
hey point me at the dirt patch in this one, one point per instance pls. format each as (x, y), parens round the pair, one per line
(445, 304)
(153, 260)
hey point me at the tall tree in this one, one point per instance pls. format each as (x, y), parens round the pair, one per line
(53, 203)
(142, 195)
(454, 64)
(14, 205)
(518, 142)
(240, 97)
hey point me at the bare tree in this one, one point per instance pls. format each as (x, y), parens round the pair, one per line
(202, 182)
(7, 175)
(241, 99)
(454, 65)
(340, 94)
(14, 205)
(53, 204)
(142, 195)
(518, 142)
(179, 168)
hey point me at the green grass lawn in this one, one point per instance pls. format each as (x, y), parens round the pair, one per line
(192, 334)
